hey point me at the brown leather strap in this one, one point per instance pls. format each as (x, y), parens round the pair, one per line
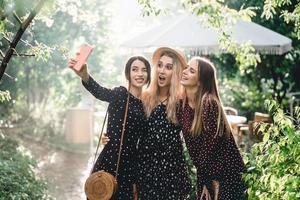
(122, 136)
(98, 145)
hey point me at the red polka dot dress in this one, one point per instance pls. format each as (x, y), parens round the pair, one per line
(215, 158)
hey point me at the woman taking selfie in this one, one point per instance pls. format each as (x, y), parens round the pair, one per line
(137, 73)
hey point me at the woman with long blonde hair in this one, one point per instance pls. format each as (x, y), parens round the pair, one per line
(162, 171)
(208, 135)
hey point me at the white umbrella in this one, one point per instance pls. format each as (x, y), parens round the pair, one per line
(187, 32)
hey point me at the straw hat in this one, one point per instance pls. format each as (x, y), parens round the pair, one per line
(158, 52)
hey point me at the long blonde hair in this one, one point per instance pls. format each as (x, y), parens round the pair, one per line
(208, 90)
(151, 96)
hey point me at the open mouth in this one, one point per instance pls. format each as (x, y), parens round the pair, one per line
(161, 78)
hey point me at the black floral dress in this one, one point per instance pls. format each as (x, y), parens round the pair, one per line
(216, 158)
(135, 124)
(161, 164)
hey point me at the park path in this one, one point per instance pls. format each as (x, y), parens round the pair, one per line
(65, 171)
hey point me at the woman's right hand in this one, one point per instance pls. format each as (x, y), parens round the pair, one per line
(104, 139)
(205, 194)
(83, 73)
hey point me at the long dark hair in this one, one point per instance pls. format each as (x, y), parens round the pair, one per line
(128, 67)
(208, 91)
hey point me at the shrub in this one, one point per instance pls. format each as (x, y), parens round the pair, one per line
(18, 180)
(245, 98)
(192, 172)
(273, 164)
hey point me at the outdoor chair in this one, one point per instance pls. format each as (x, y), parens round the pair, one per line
(236, 127)
(255, 125)
(230, 111)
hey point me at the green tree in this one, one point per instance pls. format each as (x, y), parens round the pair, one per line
(43, 84)
(278, 72)
(289, 10)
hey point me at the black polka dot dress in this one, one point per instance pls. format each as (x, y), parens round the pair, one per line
(107, 160)
(216, 158)
(162, 168)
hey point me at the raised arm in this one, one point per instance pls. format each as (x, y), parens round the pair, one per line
(91, 85)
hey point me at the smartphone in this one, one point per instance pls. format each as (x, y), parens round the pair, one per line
(82, 56)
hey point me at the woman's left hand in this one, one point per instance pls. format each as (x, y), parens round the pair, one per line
(104, 139)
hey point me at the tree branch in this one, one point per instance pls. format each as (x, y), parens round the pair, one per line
(9, 76)
(26, 43)
(8, 40)
(2, 54)
(18, 36)
(15, 52)
(23, 54)
(17, 18)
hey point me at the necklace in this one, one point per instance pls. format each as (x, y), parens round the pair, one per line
(163, 101)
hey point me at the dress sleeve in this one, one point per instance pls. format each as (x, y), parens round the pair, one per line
(209, 140)
(99, 92)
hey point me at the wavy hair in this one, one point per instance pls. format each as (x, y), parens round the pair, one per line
(151, 96)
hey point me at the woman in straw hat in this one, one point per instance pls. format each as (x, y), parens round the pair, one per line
(208, 135)
(162, 169)
(137, 73)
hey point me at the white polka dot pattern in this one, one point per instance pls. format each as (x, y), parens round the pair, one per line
(136, 122)
(162, 168)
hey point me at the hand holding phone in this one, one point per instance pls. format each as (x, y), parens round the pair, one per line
(82, 56)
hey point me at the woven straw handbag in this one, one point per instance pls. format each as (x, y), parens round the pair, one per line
(102, 185)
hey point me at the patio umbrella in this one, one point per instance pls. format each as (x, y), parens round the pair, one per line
(187, 32)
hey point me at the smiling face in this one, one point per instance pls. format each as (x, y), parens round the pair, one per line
(138, 74)
(164, 71)
(190, 75)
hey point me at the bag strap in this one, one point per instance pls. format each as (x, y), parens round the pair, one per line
(98, 145)
(122, 136)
